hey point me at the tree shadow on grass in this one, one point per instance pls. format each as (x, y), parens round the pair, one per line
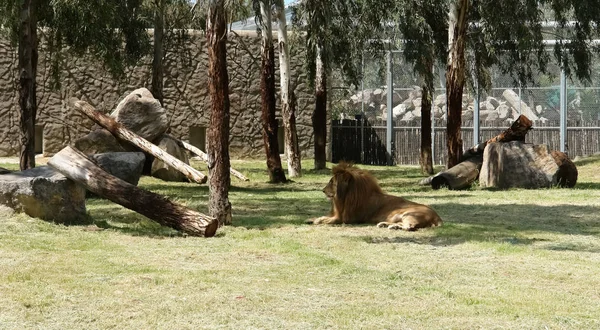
(511, 224)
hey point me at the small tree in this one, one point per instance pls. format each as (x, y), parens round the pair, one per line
(332, 39)
(218, 132)
(288, 104)
(267, 89)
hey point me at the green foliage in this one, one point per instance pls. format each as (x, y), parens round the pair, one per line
(334, 26)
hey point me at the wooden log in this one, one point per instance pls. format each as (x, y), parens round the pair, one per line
(516, 132)
(204, 157)
(460, 176)
(123, 133)
(73, 164)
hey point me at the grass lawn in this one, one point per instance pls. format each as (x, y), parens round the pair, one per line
(503, 259)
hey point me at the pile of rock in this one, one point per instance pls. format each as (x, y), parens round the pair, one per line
(44, 193)
(407, 106)
(141, 113)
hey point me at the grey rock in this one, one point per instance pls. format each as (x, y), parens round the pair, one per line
(98, 141)
(518, 165)
(44, 193)
(143, 114)
(163, 171)
(127, 166)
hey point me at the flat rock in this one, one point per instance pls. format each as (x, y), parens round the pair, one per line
(44, 193)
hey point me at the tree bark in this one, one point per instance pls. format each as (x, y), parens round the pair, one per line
(218, 131)
(157, 61)
(125, 134)
(204, 157)
(28, 59)
(319, 117)
(425, 159)
(267, 90)
(288, 104)
(455, 78)
(73, 164)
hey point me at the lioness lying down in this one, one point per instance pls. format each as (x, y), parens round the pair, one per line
(357, 198)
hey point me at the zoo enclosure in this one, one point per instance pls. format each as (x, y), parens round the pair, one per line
(565, 113)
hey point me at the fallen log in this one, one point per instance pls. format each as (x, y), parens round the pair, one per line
(204, 157)
(125, 134)
(460, 176)
(73, 164)
(464, 173)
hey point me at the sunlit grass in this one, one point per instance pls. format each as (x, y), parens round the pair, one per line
(503, 259)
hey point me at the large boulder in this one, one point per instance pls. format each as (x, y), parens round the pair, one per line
(518, 165)
(44, 193)
(98, 141)
(127, 166)
(163, 171)
(143, 114)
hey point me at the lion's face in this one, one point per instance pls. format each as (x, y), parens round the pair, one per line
(330, 188)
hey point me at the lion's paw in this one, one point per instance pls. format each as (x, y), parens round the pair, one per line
(383, 225)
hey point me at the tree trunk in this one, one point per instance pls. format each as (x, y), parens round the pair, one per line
(204, 157)
(267, 90)
(76, 166)
(288, 104)
(28, 58)
(218, 131)
(123, 133)
(319, 117)
(455, 77)
(425, 159)
(157, 61)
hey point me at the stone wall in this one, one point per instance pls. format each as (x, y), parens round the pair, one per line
(185, 95)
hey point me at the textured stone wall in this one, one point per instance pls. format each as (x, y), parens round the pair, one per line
(185, 92)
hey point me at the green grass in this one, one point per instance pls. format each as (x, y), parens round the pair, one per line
(503, 259)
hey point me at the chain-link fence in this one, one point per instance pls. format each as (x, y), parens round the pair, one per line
(497, 108)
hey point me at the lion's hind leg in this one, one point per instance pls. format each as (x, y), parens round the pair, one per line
(408, 222)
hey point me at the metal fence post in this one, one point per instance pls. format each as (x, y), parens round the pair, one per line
(476, 114)
(390, 113)
(563, 111)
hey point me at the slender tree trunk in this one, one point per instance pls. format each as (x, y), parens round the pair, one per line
(425, 160)
(319, 117)
(267, 89)
(28, 58)
(288, 104)
(157, 61)
(455, 77)
(218, 132)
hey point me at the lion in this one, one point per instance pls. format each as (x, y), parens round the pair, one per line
(357, 198)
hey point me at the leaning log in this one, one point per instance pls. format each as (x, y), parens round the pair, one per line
(125, 134)
(460, 176)
(516, 132)
(204, 157)
(464, 173)
(73, 164)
